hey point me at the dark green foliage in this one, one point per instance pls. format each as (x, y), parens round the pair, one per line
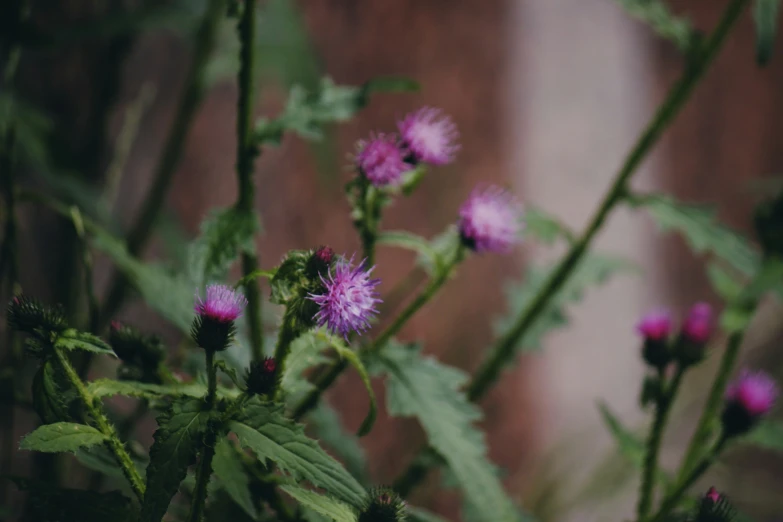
(228, 469)
(328, 428)
(54, 399)
(290, 276)
(51, 504)
(430, 391)
(262, 428)
(765, 16)
(28, 315)
(141, 354)
(711, 510)
(262, 376)
(72, 339)
(178, 439)
(211, 334)
(61, 437)
(322, 505)
(383, 505)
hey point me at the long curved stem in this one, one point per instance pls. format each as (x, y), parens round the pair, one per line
(674, 102)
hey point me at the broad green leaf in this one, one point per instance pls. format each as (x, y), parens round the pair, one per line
(225, 235)
(289, 276)
(724, 283)
(306, 352)
(61, 437)
(409, 241)
(628, 443)
(544, 228)
(108, 387)
(327, 426)
(263, 429)
(345, 352)
(656, 14)
(48, 503)
(700, 228)
(168, 294)
(72, 339)
(422, 387)
(592, 271)
(327, 506)
(100, 459)
(765, 16)
(177, 441)
(768, 436)
(228, 468)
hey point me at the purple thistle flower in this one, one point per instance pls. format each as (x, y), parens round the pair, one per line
(349, 299)
(223, 304)
(698, 325)
(656, 325)
(489, 220)
(381, 159)
(430, 136)
(755, 393)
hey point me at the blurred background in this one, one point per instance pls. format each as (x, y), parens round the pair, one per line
(548, 96)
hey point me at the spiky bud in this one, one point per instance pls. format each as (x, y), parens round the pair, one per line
(748, 399)
(383, 505)
(28, 315)
(213, 328)
(261, 377)
(320, 262)
(714, 507)
(655, 328)
(696, 332)
(134, 347)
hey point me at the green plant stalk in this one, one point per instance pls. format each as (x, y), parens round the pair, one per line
(368, 227)
(337, 367)
(247, 152)
(287, 334)
(678, 95)
(672, 499)
(714, 400)
(193, 92)
(650, 468)
(204, 470)
(104, 426)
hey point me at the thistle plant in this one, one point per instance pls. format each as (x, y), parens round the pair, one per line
(240, 421)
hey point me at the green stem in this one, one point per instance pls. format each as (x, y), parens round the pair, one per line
(369, 227)
(204, 469)
(678, 95)
(674, 102)
(194, 89)
(288, 333)
(673, 498)
(211, 378)
(714, 401)
(104, 426)
(650, 468)
(247, 151)
(332, 372)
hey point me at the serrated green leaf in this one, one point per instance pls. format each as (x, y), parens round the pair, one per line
(170, 295)
(54, 399)
(723, 282)
(628, 443)
(544, 228)
(422, 387)
(107, 387)
(593, 270)
(403, 239)
(72, 339)
(327, 426)
(288, 276)
(61, 437)
(765, 16)
(656, 14)
(177, 441)
(51, 504)
(100, 459)
(306, 352)
(229, 470)
(263, 429)
(701, 230)
(327, 506)
(225, 235)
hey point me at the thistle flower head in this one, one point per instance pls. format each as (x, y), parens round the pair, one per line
(430, 136)
(714, 507)
(261, 376)
(222, 304)
(348, 299)
(31, 316)
(755, 392)
(656, 325)
(383, 505)
(698, 324)
(381, 159)
(490, 220)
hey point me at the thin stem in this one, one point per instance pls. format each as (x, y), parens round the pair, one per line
(662, 409)
(332, 372)
(678, 95)
(104, 426)
(247, 151)
(674, 102)
(204, 469)
(673, 498)
(285, 337)
(194, 90)
(715, 399)
(368, 230)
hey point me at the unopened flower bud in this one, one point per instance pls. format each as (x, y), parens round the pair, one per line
(696, 331)
(714, 507)
(261, 376)
(30, 316)
(655, 328)
(320, 262)
(748, 399)
(383, 505)
(213, 328)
